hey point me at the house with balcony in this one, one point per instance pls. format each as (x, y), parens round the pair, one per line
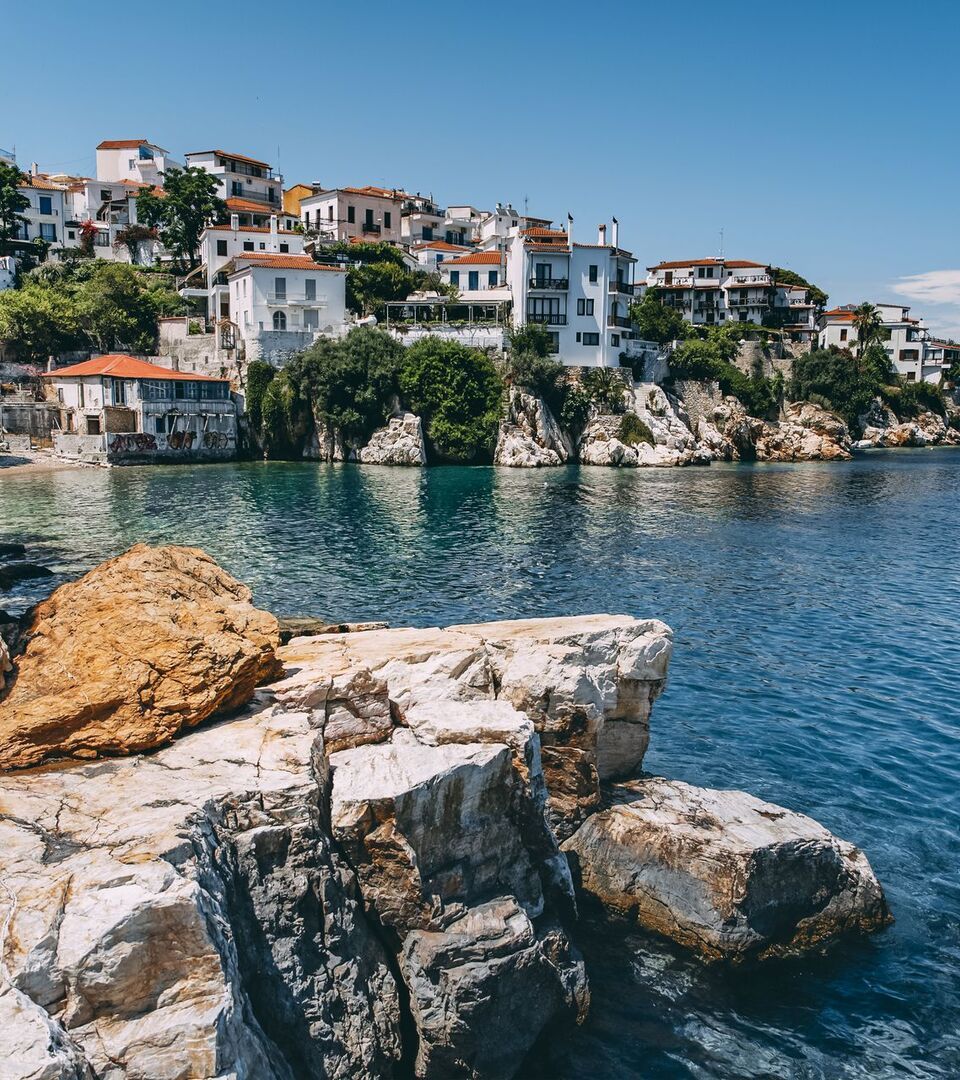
(281, 303)
(363, 213)
(581, 293)
(912, 350)
(137, 160)
(249, 187)
(431, 253)
(45, 218)
(421, 220)
(118, 409)
(477, 276)
(110, 206)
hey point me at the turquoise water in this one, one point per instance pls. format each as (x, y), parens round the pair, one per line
(816, 615)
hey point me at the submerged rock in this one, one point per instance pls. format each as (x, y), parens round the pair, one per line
(399, 443)
(723, 873)
(148, 643)
(13, 572)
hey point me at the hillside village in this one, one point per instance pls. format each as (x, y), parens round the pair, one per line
(188, 308)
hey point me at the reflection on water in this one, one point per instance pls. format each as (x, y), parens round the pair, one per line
(816, 617)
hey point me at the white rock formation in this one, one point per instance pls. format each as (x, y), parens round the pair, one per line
(399, 443)
(530, 437)
(725, 874)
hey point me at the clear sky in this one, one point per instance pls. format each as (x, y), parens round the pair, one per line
(819, 136)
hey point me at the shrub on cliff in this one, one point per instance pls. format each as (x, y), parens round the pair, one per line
(710, 360)
(259, 375)
(605, 388)
(530, 364)
(655, 321)
(633, 430)
(457, 393)
(846, 384)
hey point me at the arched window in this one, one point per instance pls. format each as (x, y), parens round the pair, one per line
(279, 320)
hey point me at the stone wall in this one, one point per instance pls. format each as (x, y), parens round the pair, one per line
(36, 419)
(699, 399)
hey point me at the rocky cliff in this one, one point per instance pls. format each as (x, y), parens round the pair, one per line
(359, 870)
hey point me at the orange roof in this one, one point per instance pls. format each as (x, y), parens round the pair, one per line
(557, 249)
(248, 206)
(538, 231)
(250, 228)
(233, 157)
(283, 261)
(374, 192)
(839, 313)
(482, 258)
(733, 264)
(122, 144)
(41, 183)
(440, 245)
(121, 366)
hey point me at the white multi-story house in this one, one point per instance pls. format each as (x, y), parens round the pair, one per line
(478, 276)
(581, 293)
(496, 228)
(46, 216)
(110, 206)
(717, 290)
(421, 220)
(249, 187)
(432, 253)
(219, 244)
(280, 303)
(913, 353)
(368, 213)
(138, 160)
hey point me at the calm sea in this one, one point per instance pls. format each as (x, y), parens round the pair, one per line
(817, 617)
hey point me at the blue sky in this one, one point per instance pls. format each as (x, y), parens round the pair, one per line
(819, 136)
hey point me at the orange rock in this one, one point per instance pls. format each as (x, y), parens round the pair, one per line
(148, 643)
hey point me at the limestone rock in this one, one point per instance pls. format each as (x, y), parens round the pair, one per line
(530, 437)
(6, 665)
(806, 433)
(722, 872)
(483, 989)
(148, 643)
(399, 443)
(184, 914)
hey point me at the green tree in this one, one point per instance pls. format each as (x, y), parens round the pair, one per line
(41, 321)
(832, 378)
(115, 311)
(259, 375)
(457, 392)
(869, 327)
(655, 321)
(188, 203)
(605, 388)
(12, 202)
(783, 276)
(371, 285)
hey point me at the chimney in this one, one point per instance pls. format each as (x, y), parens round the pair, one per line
(601, 235)
(234, 222)
(273, 233)
(570, 230)
(616, 233)
(34, 169)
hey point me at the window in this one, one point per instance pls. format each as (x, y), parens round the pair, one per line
(279, 320)
(310, 289)
(351, 214)
(221, 248)
(545, 309)
(280, 288)
(330, 212)
(368, 217)
(71, 234)
(591, 339)
(119, 392)
(579, 336)
(705, 271)
(263, 246)
(248, 245)
(105, 195)
(589, 307)
(427, 233)
(236, 187)
(80, 395)
(311, 319)
(553, 347)
(284, 248)
(668, 277)
(843, 335)
(49, 232)
(593, 272)
(473, 279)
(387, 219)
(615, 340)
(584, 307)
(46, 204)
(491, 279)
(911, 376)
(454, 277)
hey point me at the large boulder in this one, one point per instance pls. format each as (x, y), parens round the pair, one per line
(806, 433)
(399, 443)
(530, 437)
(156, 640)
(723, 873)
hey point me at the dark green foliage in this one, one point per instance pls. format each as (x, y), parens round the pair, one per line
(834, 379)
(188, 203)
(790, 277)
(633, 430)
(605, 389)
(12, 203)
(655, 321)
(259, 377)
(575, 411)
(456, 391)
(711, 360)
(909, 399)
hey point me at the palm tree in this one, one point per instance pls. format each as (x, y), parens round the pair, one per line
(868, 324)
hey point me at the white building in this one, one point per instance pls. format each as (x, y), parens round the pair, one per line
(110, 206)
(280, 303)
(421, 220)
(241, 177)
(496, 228)
(478, 276)
(581, 293)
(118, 409)
(138, 160)
(913, 353)
(368, 213)
(432, 253)
(46, 216)
(717, 290)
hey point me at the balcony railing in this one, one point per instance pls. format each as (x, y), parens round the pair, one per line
(548, 318)
(619, 320)
(370, 227)
(549, 283)
(296, 298)
(621, 287)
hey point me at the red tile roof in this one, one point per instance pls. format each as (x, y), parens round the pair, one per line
(233, 157)
(122, 144)
(250, 228)
(41, 183)
(439, 245)
(538, 231)
(248, 206)
(121, 366)
(481, 258)
(733, 264)
(557, 249)
(283, 261)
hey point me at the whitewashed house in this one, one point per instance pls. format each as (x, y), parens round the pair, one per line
(249, 187)
(110, 206)
(367, 213)
(912, 351)
(432, 253)
(280, 303)
(119, 409)
(421, 220)
(581, 293)
(136, 160)
(478, 275)
(46, 216)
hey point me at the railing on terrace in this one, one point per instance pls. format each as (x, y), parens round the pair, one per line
(370, 227)
(619, 320)
(295, 298)
(621, 287)
(550, 319)
(549, 283)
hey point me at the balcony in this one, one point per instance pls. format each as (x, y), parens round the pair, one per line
(369, 227)
(557, 283)
(289, 298)
(547, 318)
(619, 320)
(621, 287)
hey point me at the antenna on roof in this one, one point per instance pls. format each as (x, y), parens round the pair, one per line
(721, 241)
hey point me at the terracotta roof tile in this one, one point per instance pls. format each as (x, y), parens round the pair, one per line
(735, 264)
(251, 229)
(248, 206)
(477, 258)
(439, 245)
(283, 261)
(121, 366)
(233, 157)
(122, 144)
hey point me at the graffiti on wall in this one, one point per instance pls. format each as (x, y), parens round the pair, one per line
(181, 440)
(137, 442)
(215, 440)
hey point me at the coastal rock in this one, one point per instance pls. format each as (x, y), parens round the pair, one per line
(13, 572)
(806, 433)
(927, 429)
(184, 914)
(6, 664)
(399, 443)
(148, 643)
(723, 873)
(483, 989)
(530, 437)
(673, 443)
(12, 551)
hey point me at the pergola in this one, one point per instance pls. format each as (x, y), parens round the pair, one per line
(443, 310)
